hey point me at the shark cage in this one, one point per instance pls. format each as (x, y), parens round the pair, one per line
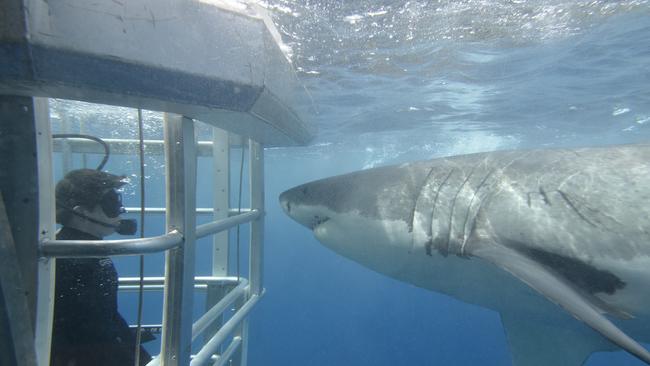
(215, 61)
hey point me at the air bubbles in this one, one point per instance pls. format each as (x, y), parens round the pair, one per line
(643, 119)
(619, 111)
(353, 19)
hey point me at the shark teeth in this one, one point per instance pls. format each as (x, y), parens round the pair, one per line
(318, 220)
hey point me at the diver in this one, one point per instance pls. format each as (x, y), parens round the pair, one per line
(88, 329)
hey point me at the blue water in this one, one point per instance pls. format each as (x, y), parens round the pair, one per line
(398, 81)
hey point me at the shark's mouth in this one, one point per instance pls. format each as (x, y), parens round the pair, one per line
(318, 220)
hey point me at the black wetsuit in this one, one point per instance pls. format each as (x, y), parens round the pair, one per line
(88, 329)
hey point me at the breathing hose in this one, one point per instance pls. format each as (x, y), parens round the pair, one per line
(107, 149)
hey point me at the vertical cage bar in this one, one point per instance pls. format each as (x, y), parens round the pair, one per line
(256, 176)
(82, 130)
(66, 150)
(221, 205)
(240, 356)
(237, 358)
(256, 253)
(46, 230)
(18, 229)
(180, 171)
(221, 161)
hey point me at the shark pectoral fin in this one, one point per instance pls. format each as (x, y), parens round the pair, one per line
(535, 343)
(558, 291)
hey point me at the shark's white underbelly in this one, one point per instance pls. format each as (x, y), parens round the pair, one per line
(473, 280)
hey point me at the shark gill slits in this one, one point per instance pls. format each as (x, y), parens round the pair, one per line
(544, 196)
(574, 207)
(428, 247)
(541, 193)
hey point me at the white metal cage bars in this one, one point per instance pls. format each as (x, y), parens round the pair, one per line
(181, 179)
(256, 250)
(105, 248)
(222, 359)
(180, 157)
(158, 283)
(127, 146)
(221, 202)
(199, 211)
(210, 316)
(221, 225)
(237, 325)
(27, 189)
(212, 346)
(256, 176)
(221, 145)
(46, 230)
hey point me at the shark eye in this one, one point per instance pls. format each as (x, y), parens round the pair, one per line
(304, 190)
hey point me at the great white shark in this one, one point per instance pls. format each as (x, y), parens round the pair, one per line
(556, 241)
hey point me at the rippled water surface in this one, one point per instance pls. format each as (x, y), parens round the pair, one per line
(412, 79)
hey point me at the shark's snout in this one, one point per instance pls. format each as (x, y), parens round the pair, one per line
(293, 203)
(289, 201)
(285, 204)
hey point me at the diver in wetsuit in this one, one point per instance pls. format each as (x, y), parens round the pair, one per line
(88, 329)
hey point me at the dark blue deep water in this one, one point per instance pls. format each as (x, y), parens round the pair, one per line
(395, 81)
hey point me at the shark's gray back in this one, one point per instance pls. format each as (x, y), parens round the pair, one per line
(558, 199)
(586, 203)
